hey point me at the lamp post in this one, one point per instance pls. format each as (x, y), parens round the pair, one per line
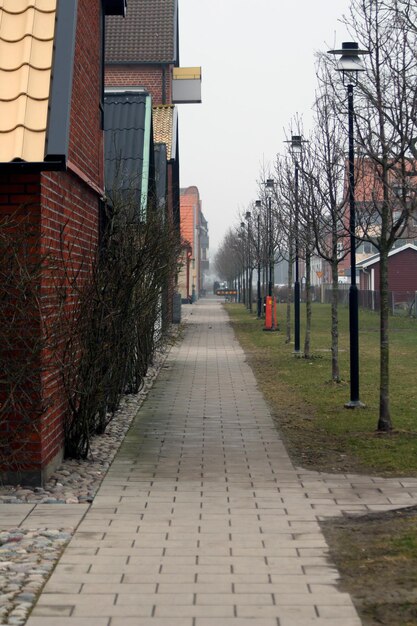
(258, 204)
(296, 146)
(249, 254)
(244, 268)
(270, 186)
(350, 64)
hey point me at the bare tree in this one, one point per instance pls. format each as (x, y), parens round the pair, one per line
(284, 228)
(228, 261)
(386, 116)
(324, 173)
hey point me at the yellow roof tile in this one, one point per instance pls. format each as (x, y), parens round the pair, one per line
(29, 51)
(33, 112)
(32, 23)
(20, 6)
(163, 126)
(27, 29)
(24, 142)
(24, 80)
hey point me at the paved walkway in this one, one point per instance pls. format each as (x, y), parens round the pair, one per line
(202, 520)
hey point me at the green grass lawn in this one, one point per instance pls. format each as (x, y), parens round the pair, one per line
(309, 408)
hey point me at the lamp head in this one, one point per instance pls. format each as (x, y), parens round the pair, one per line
(296, 144)
(270, 186)
(350, 62)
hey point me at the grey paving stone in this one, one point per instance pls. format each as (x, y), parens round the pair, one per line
(202, 519)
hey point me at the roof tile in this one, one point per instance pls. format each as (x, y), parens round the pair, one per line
(163, 126)
(27, 29)
(20, 6)
(35, 83)
(147, 33)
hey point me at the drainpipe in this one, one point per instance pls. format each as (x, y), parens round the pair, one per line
(164, 84)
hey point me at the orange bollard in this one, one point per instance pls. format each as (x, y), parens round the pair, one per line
(270, 313)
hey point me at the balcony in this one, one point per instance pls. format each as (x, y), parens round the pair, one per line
(186, 85)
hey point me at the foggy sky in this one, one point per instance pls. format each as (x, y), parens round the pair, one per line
(257, 58)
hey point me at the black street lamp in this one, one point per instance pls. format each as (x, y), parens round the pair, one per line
(270, 186)
(296, 146)
(249, 255)
(258, 205)
(244, 269)
(350, 64)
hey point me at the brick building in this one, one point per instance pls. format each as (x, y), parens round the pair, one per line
(369, 196)
(142, 53)
(402, 272)
(51, 177)
(143, 49)
(194, 230)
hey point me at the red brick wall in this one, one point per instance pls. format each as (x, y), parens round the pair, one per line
(60, 213)
(86, 142)
(69, 217)
(187, 219)
(64, 208)
(20, 325)
(148, 76)
(69, 226)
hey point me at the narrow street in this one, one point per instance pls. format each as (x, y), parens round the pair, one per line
(202, 520)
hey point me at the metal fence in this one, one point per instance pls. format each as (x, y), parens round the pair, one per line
(401, 302)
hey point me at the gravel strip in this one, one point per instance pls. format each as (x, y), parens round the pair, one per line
(26, 560)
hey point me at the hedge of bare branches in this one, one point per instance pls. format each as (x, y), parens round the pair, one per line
(95, 327)
(21, 343)
(113, 332)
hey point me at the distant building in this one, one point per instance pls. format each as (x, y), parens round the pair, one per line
(142, 57)
(369, 196)
(194, 233)
(402, 271)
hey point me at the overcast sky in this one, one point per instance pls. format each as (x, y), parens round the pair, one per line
(257, 58)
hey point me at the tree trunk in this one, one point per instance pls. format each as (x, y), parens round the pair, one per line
(335, 323)
(289, 290)
(384, 422)
(250, 294)
(307, 346)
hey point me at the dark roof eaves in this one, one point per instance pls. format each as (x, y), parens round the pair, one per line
(176, 35)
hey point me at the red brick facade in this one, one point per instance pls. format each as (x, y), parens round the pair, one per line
(64, 208)
(86, 142)
(189, 280)
(156, 79)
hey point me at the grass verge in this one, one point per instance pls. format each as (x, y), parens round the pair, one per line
(376, 553)
(309, 409)
(376, 557)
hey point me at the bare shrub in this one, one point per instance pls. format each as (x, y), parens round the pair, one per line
(21, 342)
(112, 333)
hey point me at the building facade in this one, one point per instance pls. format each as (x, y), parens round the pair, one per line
(194, 233)
(52, 185)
